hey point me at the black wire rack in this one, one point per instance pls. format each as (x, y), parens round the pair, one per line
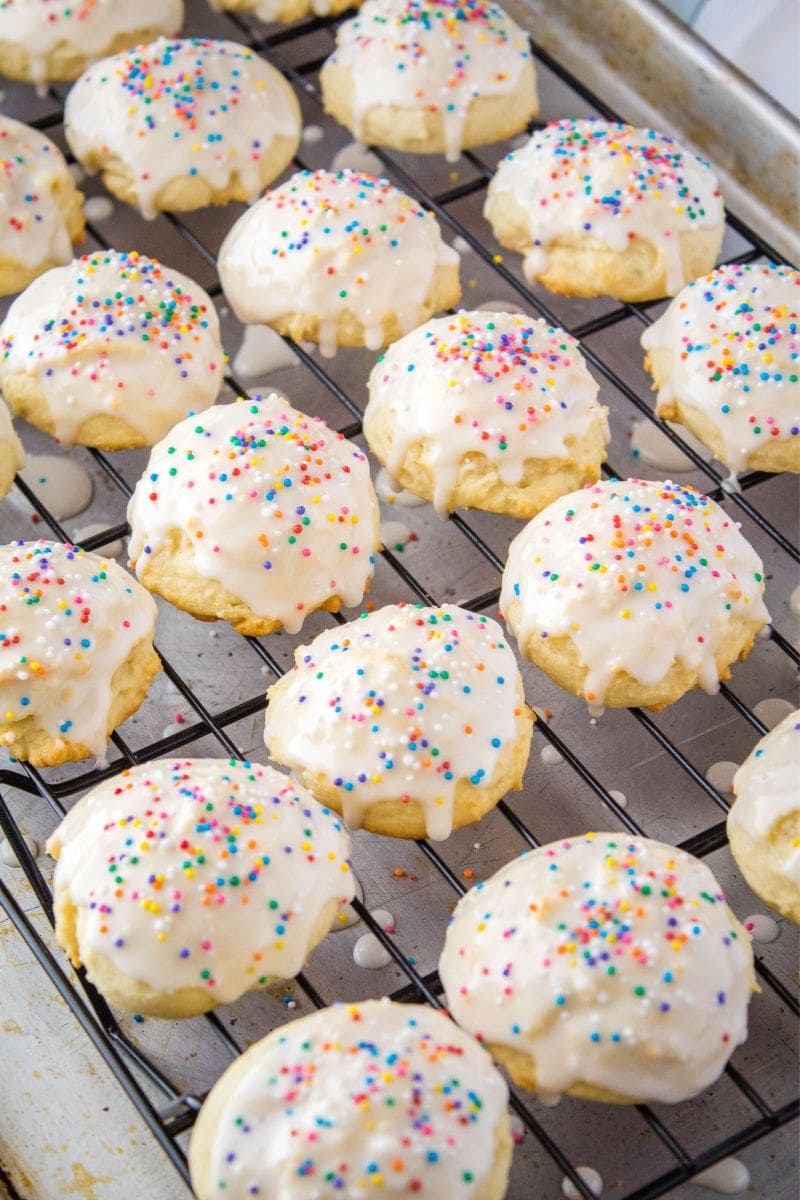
(168, 1109)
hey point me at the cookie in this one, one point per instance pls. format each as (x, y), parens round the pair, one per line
(284, 10)
(12, 454)
(485, 410)
(111, 351)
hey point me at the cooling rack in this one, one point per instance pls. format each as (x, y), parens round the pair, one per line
(578, 766)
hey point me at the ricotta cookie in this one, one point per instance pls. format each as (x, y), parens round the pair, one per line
(764, 823)
(111, 351)
(257, 514)
(725, 360)
(431, 78)
(486, 410)
(633, 593)
(182, 884)
(366, 1096)
(12, 454)
(605, 966)
(341, 259)
(409, 721)
(599, 208)
(284, 10)
(40, 203)
(176, 125)
(44, 40)
(76, 651)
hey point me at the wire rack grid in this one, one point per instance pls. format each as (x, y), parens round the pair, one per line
(645, 1152)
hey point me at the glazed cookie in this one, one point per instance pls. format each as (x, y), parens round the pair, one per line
(41, 40)
(725, 360)
(486, 410)
(12, 455)
(340, 259)
(431, 77)
(764, 823)
(224, 876)
(602, 209)
(41, 205)
(606, 966)
(284, 10)
(111, 351)
(409, 721)
(633, 593)
(76, 654)
(176, 125)
(370, 1097)
(256, 514)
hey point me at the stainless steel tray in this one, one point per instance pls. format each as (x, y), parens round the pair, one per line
(216, 681)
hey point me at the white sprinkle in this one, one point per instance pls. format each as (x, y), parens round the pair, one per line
(312, 133)
(728, 1177)
(720, 776)
(762, 928)
(593, 1180)
(550, 756)
(111, 549)
(498, 306)
(8, 856)
(262, 350)
(518, 1128)
(771, 711)
(389, 490)
(794, 601)
(98, 208)
(651, 445)
(395, 535)
(357, 157)
(620, 797)
(61, 485)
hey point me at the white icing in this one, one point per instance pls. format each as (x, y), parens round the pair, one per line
(395, 535)
(620, 797)
(278, 508)
(639, 575)
(115, 334)
(8, 437)
(395, 1091)
(505, 386)
(312, 133)
(39, 26)
(181, 108)
(422, 56)
(70, 618)
(220, 866)
(404, 701)
(762, 928)
(611, 182)
(61, 485)
(262, 350)
(355, 156)
(794, 600)
(734, 352)
(8, 856)
(720, 775)
(729, 1176)
(767, 792)
(347, 915)
(772, 711)
(593, 1180)
(98, 208)
(389, 490)
(609, 959)
(651, 445)
(33, 227)
(368, 952)
(550, 756)
(326, 244)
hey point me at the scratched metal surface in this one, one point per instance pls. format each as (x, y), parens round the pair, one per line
(457, 560)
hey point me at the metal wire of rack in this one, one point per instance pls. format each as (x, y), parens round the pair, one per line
(168, 1108)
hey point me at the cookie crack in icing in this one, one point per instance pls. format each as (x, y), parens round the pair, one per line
(639, 575)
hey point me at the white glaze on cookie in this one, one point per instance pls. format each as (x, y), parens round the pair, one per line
(179, 108)
(39, 26)
(361, 1099)
(8, 437)
(609, 959)
(279, 508)
(639, 575)
(441, 57)
(33, 229)
(205, 873)
(115, 334)
(735, 346)
(609, 181)
(404, 701)
(766, 789)
(502, 385)
(69, 619)
(326, 243)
